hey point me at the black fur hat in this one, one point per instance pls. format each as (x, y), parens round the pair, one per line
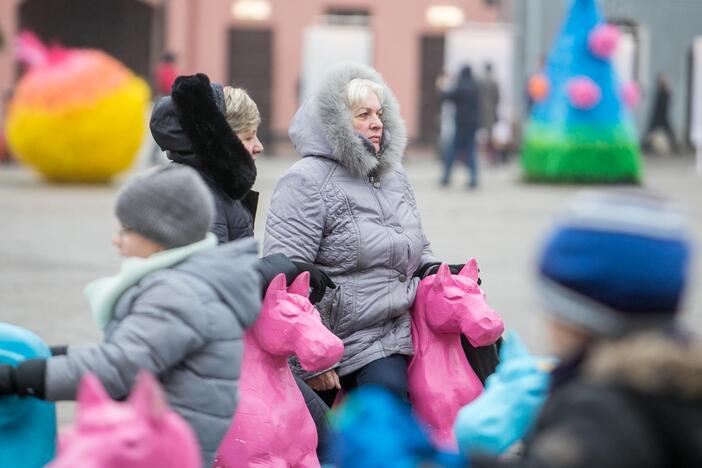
(216, 151)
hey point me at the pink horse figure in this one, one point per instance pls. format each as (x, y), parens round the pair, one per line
(141, 432)
(272, 426)
(441, 381)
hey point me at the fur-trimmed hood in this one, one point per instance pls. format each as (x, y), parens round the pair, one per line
(648, 363)
(190, 126)
(322, 126)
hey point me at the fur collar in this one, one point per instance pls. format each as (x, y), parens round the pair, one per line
(216, 150)
(649, 363)
(333, 119)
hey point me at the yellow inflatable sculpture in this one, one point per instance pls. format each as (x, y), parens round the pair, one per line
(77, 115)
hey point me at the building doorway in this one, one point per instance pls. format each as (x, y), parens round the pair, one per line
(251, 68)
(124, 29)
(431, 67)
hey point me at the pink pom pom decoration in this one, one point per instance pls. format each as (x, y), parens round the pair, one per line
(583, 93)
(603, 40)
(631, 94)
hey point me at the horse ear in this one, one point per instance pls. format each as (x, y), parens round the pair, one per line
(301, 285)
(278, 283)
(147, 398)
(470, 270)
(91, 392)
(443, 279)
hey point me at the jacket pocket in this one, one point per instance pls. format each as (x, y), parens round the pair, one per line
(336, 311)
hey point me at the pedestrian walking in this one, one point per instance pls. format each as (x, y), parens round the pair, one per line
(165, 73)
(490, 100)
(660, 118)
(467, 104)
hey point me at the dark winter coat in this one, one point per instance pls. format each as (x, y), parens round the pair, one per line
(190, 126)
(466, 98)
(354, 216)
(634, 403)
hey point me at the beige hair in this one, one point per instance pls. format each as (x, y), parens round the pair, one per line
(241, 111)
(357, 92)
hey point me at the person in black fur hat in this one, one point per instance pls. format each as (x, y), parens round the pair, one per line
(212, 128)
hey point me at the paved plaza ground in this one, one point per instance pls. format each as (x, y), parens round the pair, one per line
(56, 238)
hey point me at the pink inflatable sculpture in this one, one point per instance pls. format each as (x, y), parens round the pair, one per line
(141, 432)
(272, 426)
(441, 380)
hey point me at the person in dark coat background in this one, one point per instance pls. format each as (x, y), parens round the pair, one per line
(466, 98)
(660, 118)
(628, 389)
(213, 129)
(490, 99)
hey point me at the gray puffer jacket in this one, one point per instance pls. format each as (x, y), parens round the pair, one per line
(354, 216)
(185, 324)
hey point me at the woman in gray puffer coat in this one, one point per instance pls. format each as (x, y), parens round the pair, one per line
(348, 208)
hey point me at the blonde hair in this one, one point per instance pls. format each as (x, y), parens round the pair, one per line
(241, 112)
(357, 92)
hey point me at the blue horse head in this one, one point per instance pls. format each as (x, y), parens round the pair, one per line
(27, 425)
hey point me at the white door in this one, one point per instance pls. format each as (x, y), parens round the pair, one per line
(696, 112)
(328, 44)
(624, 59)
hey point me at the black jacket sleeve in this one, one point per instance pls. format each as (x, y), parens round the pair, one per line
(269, 266)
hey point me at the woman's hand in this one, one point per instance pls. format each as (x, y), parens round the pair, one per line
(326, 381)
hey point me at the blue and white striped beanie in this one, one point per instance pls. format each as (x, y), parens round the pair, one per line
(615, 261)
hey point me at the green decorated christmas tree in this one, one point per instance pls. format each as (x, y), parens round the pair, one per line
(580, 128)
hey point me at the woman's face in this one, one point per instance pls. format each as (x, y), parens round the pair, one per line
(251, 142)
(366, 120)
(132, 244)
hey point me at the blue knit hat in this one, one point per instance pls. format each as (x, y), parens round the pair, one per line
(615, 261)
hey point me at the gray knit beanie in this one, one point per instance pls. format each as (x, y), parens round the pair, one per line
(169, 205)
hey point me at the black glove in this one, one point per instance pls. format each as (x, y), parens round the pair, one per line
(27, 379)
(431, 268)
(319, 281)
(58, 350)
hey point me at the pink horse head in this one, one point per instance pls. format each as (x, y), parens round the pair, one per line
(272, 425)
(441, 380)
(289, 324)
(141, 432)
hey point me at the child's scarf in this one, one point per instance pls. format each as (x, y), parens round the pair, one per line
(103, 293)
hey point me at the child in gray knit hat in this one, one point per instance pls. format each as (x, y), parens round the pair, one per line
(178, 308)
(165, 208)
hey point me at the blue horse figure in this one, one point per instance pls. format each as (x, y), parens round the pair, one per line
(27, 425)
(374, 429)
